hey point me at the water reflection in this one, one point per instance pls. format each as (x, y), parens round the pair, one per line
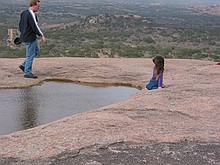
(22, 109)
(28, 106)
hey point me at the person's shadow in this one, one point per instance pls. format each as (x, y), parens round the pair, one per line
(29, 104)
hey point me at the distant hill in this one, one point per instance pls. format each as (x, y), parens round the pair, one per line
(214, 9)
(138, 28)
(192, 2)
(113, 21)
(167, 2)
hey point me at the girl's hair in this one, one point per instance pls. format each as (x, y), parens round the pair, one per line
(33, 2)
(159, 65)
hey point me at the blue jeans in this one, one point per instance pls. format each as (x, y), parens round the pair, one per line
(153, 84)
(32, 51)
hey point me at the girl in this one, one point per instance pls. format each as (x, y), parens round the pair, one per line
(157, 78)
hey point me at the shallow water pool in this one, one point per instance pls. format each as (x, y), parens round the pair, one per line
(26, 108)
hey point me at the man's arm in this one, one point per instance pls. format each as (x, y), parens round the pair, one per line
(34, 24)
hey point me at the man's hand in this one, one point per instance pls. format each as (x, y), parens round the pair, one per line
(43, 39)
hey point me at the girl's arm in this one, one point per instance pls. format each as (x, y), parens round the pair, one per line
(160, 80)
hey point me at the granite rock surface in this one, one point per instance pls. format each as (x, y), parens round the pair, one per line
(186, 110)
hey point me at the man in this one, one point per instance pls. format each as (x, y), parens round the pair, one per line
(29, 29)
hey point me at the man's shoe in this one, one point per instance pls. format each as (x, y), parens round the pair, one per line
(21, 67)
(30, 76)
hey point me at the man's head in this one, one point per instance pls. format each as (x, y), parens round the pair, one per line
(34, 5)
